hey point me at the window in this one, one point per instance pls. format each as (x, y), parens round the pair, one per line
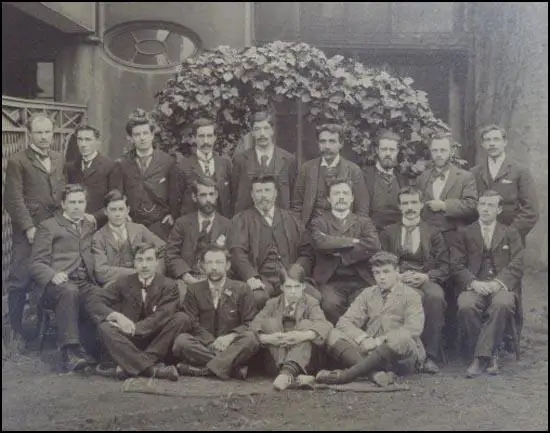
(151, 45)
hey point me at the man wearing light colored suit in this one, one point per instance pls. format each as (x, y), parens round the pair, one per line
(113, 245)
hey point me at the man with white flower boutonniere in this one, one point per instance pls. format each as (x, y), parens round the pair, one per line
(192, 233)
(223, 309)
(487, 260)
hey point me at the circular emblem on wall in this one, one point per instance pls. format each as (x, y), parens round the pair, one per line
(150, 45)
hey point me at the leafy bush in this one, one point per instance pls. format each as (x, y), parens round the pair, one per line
(231, 83)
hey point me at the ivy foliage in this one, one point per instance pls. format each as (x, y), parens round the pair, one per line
(228, 84)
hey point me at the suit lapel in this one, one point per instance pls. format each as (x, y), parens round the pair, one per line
(216, 228)
(451, 180)
(110, 237)
(485, 175)
(350, 222)
(300, 312)
(504, 169)
(68, 225)
(153, 164)
(477, 236)
(134, 292)
(314, 180)
(278, 161)
(498, 236)
(425, 239)
(35, 161)
(132, 233)
(96, 163)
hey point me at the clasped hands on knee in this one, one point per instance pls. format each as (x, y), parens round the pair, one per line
(122, 322)
(222, 342)
(414, 279)
(368, 344)
(286, 339)
(485, 288)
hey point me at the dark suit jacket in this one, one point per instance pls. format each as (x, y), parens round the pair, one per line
(58, 247)
(459, 195)
(285, 170)
(305, 191)
(99, 179)
(31, 194)
(125, 297)
(435, 250)
(188, 169)
(181, 247)
(154, 186)
(327, 234)
(507, 249)
(515, 184)
(236, 309)
(249, 250)
(105, 250)
(309, 317)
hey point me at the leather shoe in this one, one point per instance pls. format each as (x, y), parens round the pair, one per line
(382, 378)
(493, 368)
(241, 372)
(190, 370)
(476, 368)
(169, 372)
(74, 358)
(430, 367)
(283, 381)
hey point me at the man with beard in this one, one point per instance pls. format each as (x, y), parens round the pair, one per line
(424, 265)
(93, 170)
(264, 158)
(450, 193)
(343, 243)
(520, 208)
(223, 309)
(147, 177)
(265, 238)
(204, 162)
(192, 233)
(311, 191)
(34, 183)
(384, 181)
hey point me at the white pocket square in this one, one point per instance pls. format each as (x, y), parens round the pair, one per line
(506, 181)
(225, 183)
(505, 247)
(162, 180)
(154, 308)
(220, 241)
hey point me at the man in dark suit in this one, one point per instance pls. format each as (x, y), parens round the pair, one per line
(194, 232)
(147, 177)
(311, 191)
(449, 192)
(487, 259)
(425, 266)
(62, 269)
(344, 243)
(264, 158)
(204, 162)
(93, 170)
(113, 245)
(137, 319)
(223, 308)
(384, 181)
(265, 238)
(34, 183)
(520, 208)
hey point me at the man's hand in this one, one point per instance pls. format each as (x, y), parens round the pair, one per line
(60, 278)
(222, 342)
(480, 287)
(368, 345)
(122, 322)
(274, 339)
(30, 232)
(168, 219)
(189, 279)
(494, 286)
(255, 283)
(436, 205)
(414, 279)
(292, 338)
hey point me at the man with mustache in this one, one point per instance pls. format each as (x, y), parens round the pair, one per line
(264, 158)
(520, 208)
(384, 181)
(34, 184)
(311, 191)
(424, 265)
(192, 233)
(203, 162)
(265, 238)
(343, 244)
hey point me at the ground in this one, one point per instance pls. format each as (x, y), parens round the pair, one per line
(35, 398)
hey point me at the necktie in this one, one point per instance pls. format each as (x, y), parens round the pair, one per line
(384, 294)
(206, 165)
(289, 311)
(263, 162)
(438, 175)
(388, 177)
(144, 162)
(86, 166)
(205, 224)
(409, 246)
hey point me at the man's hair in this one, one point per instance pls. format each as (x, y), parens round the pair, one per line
(339, 181)
(263, 178)
(486, 129)
(261, 116)
(409, 190)
(293, 272)
(204, 181)
(214, 248)
(386, 134)
(491, 193)
(137, 118)
(442, 136)
(35, 117)
(383, 258)
(113, 195)
(72, 188)
(87, 128)
(203, 121)
(333, 128)
(145, 246)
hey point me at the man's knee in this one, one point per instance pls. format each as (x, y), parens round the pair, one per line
(504, 301)
(433, 295)
(467, 302)
(182, 320)
(183, 343)
(334, 336)
(401, 343)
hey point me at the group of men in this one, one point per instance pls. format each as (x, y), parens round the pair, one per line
(201, 265)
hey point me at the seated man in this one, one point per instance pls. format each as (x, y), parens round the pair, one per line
(137, 318)
(487, 259)
(343, 243)
(380, 331)
(113, 245)
(223, 308)
(192, 233)
(425, 265)
(62, 268)
(266, 238)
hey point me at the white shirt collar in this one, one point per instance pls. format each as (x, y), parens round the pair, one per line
(72, 220)
(410, 223)
(260, 152)
(38, 151)
(218, 287)
(339, 214)
(270, 212)
(383, 170)
(146, 283)
(499, 160)
(116, 229)
(334, 163)
(204, 218)
(91, 158)
(148, 153)
(204, 157)
(490, 227)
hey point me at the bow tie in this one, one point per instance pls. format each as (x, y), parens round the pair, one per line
(439, 175)
(387, 176)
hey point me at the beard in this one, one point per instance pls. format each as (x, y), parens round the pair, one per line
(387, 163)
(215, 276)
(207, 208)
